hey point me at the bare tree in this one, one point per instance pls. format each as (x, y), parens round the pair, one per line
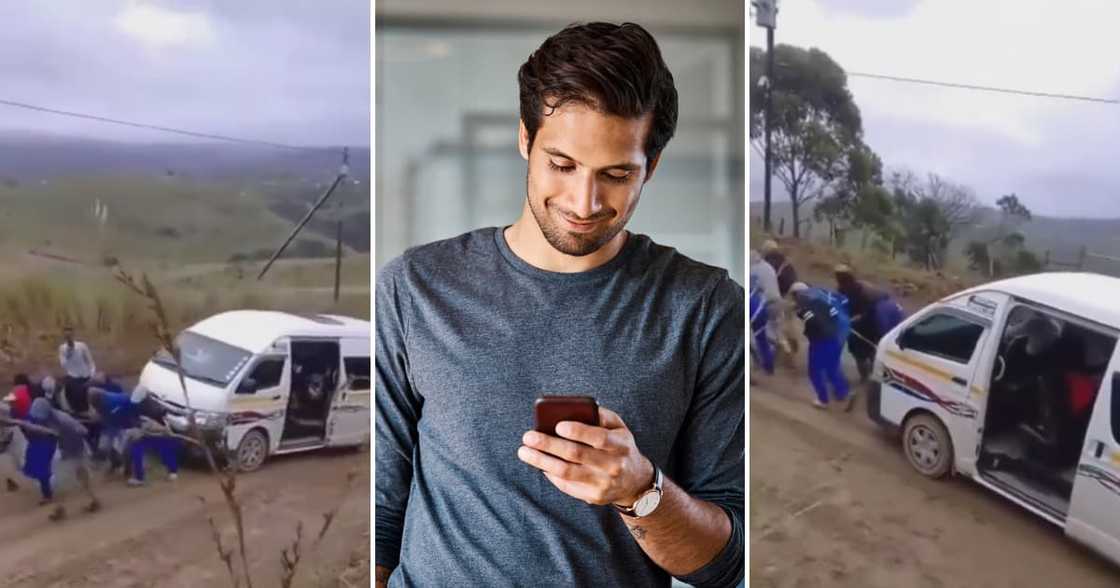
(934, 211)
(957, 202)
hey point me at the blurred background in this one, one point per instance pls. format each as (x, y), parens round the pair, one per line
(181, 140)
(447, 112)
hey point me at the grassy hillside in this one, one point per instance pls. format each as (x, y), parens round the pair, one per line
(148, 218)
(178, 213)
(179, 201)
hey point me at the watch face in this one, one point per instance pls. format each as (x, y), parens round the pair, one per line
(646, 504)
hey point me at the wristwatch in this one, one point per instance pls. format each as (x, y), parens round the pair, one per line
(647, 502)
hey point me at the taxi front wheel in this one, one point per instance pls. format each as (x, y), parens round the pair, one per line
(252, 451)
(927, 445)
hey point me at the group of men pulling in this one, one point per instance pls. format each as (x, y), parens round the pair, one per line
(855, 314)
(91, 421)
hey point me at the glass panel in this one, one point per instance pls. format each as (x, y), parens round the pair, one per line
(447, 156)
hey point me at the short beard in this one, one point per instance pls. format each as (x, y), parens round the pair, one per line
(569, 243)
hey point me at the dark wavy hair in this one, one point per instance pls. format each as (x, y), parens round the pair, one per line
(615, 69)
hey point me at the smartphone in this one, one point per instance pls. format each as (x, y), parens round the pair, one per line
(550, 410)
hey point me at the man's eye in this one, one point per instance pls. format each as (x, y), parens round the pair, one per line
(561, 168)
(619, 179)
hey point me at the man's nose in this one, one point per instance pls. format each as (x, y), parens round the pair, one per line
(586, 202)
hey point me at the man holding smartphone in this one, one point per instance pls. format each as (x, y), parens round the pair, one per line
(472, 330)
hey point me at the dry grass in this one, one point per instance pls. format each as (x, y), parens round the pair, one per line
(36, 305)
(913, 286)
(48, 303)
(816, 262)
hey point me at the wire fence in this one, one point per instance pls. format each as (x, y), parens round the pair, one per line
(1081, 260)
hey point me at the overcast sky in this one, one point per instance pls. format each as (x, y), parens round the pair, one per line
(1060, 157)
(282, 70)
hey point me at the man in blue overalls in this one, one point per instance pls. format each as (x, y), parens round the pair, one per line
(825, 317)
(873, 313)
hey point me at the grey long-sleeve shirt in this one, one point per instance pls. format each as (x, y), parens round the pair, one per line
(469, 335)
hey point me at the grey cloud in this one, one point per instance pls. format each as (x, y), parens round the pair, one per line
(871, 8)
(1072, 173)
(282, 71)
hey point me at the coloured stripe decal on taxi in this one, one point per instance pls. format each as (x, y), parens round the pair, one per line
(944, 375)
(913, 387)
(1104, 477)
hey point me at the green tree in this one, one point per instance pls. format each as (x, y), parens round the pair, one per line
(815, 121)
(977, 254)
(1002, 249)
(1026, 262)
(859, 200)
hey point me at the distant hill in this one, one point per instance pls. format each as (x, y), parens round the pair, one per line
(189, 201)
(28, 157)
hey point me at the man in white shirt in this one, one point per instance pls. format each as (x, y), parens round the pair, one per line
(77, 363)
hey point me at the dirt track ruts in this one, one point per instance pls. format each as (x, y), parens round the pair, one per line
(833, 502)
(158, 535)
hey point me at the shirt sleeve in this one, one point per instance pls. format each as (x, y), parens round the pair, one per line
(398, 413)
(769, 280)
(709, 464)
(62, 355)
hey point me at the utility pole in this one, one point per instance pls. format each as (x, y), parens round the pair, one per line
(766, 15)
(343, 172)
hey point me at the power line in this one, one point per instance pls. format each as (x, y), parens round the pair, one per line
(984, 88)
(140, 125)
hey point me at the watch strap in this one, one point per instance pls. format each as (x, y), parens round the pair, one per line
(655, 487)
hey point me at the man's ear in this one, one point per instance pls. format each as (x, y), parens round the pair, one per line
(523, 140)
(652, 166)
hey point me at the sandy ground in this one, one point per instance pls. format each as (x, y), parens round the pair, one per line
(833, 502)
(158, 535)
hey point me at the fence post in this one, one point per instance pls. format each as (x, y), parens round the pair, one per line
(782, 226)
(1046, 260)
(1081, 258)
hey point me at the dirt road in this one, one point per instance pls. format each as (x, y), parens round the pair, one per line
(158, 535)
(834, 503)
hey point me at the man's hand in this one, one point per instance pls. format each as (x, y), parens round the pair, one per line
(602, 465)
(381, 580)
(598, 465)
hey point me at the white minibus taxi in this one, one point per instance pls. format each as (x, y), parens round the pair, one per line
(1016, 385)
(266, 382)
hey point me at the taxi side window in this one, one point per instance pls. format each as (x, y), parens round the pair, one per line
(268, 372)
(357, 369)
(943, 335)
(1116, 406)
